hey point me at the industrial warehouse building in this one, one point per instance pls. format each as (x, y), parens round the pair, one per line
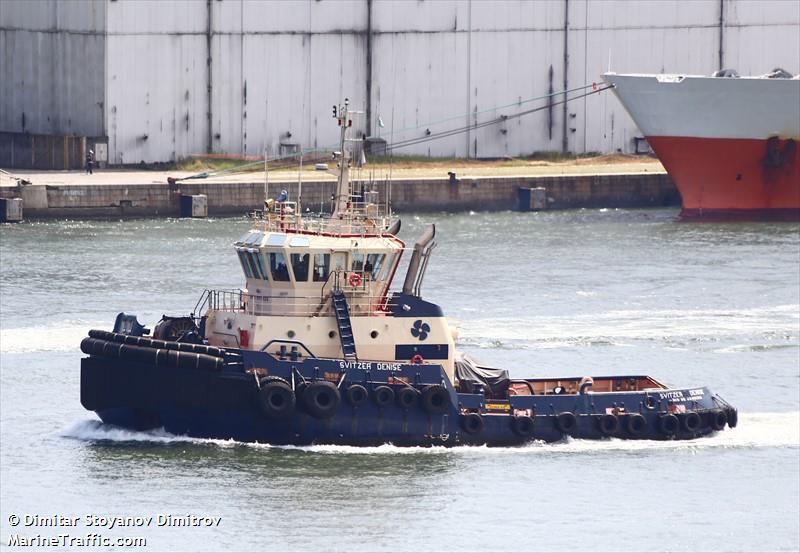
(153, 81)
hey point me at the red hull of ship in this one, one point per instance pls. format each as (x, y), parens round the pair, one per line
(727, 177)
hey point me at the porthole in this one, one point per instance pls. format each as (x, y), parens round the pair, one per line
(331, 334)
(374, 334)
(290, 334)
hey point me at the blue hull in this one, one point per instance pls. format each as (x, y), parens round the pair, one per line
(226, 404)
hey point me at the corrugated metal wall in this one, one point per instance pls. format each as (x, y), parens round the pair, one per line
(52, 67)
(277, 67)
(672, 37)
(438, 60)
(157, 78)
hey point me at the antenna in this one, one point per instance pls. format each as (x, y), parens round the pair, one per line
(300, 182)
(266, 179)
(391, 161)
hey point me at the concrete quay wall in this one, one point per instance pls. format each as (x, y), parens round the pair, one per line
(99, 200)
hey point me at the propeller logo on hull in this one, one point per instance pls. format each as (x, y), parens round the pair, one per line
(420, 330)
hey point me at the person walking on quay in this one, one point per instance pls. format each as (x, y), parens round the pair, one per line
(89, 161)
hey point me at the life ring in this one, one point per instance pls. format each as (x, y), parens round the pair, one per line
(472, 423)
(321, 399)
(636, 424)
(417, 360)
(355, 280)
(566, 422)
(608, 424)
(276, 397)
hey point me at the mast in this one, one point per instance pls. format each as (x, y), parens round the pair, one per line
(343, 189)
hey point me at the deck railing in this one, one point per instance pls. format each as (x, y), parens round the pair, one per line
(238, 301)
(361, 219)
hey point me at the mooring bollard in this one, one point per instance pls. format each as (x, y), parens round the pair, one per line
(10, 210)
(194, 206)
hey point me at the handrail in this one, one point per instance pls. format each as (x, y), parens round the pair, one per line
(201, 303)
(337, 280)
(324, 284)
(301, 306)
(294, 342)
(362, 219)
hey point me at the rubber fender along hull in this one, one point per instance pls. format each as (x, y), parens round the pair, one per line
(225, 405)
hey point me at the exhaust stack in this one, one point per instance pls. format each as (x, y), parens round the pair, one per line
(394, 229)
(419, 257)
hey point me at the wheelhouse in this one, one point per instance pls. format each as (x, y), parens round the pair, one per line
(302, 270)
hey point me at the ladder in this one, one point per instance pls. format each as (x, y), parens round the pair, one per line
(342, 312)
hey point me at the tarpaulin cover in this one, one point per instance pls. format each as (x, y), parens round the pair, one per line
(495, 380)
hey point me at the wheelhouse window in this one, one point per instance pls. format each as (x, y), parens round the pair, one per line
(374, 264)
(276, 240)
(388, 266)
(252, 264)
(278, 267)
(339, 260)
(248, 271)
(300, 266)
(322, 264)
(252, 238)
(258, 265)
(357, 263)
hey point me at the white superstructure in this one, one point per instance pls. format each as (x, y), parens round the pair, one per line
(319, 285)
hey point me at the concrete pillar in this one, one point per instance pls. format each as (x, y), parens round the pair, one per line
(34, 196)
(10, 210)
(194, 206)
(532, 199)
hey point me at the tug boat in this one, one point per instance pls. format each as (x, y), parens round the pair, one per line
(317, 350)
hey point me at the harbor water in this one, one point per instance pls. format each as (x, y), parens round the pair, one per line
(573, 293)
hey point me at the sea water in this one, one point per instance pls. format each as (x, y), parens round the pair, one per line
(589, 292)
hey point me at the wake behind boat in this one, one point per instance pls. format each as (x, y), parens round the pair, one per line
(317, 350)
